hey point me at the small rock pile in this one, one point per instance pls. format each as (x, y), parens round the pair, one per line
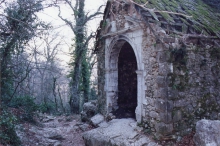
(53, 131)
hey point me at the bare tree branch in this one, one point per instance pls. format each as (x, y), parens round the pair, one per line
(66, 21)
(92, 16)
(92, 35)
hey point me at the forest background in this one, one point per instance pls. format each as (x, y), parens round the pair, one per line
(46, 59)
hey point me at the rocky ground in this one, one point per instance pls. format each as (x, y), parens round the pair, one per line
(118, 132)
(68, 131)
(53, 131)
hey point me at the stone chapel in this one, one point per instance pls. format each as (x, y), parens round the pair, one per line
(159, 63)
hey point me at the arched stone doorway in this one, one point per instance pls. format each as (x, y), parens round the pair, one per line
(112, 75)
(127, 83)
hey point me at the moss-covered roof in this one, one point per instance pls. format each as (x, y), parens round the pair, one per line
(204, 18)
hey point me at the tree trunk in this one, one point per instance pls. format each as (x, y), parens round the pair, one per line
(61, 101)
(54, 92)
(85, 80)
(79, 54)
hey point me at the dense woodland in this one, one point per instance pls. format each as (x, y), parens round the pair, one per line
(32, 76)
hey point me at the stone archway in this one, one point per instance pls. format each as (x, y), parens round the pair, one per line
(127, 83)
(112, 71)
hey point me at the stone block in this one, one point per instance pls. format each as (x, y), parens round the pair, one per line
(207, 133)
(163, 69)
(159, 47)
(162, 93)
(149, 93)
(161, 57)
(163, 106)
(163, 128)
(186, 131)
(89, 110)
(161, 81)
(150, 101)
(181, 103)
(177, 115)
(172, 94)
(97, 119)
(166, 118)
(154, 115)
(179, 126)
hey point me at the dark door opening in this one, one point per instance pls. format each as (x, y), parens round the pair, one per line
(127, 83)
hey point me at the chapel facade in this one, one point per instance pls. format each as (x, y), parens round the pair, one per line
(159, 63)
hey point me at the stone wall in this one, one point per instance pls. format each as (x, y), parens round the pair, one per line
(178, 76)
(182, 84)
(193, 86)
(157, 106)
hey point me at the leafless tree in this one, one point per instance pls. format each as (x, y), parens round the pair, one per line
(81, 45)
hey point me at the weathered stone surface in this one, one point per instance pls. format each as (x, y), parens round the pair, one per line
(118, 132)
(55, 136)
(161, 81)
(48, 119)
(207, 133)
(163, 105)
(177, 115)
(165, 117)
(164, 129)
(97, 119)
(154, 114)
(84, 127)
(89, 110)
(162, 93)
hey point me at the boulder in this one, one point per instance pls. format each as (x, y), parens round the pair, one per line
(55, 136)
(84, 127)
(97, 119)
(117, 132)
(207, 133)
(89, 110)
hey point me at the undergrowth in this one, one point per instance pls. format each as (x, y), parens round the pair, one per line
(8, 135)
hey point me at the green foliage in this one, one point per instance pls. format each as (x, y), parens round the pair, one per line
(178, 56)
(48, 107)
(215, 53)
(85, 79)
(19, 24)
(7, 129)
(93, 94)
(27, 105)
(213, 3)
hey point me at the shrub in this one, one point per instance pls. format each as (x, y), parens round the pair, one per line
(47, 107)
(8, 135)
(27, 105)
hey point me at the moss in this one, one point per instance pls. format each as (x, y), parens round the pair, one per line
(181, 85)
(206, 105)
(177, 55)
(167, 16)
(179, 78)
(205, 18)
(215, 53)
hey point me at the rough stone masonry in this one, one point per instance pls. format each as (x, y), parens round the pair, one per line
(177, 61)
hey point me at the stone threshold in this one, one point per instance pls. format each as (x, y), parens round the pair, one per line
(117, 132)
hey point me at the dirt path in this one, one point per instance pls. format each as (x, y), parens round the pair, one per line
(53, 131)
(67, 131)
